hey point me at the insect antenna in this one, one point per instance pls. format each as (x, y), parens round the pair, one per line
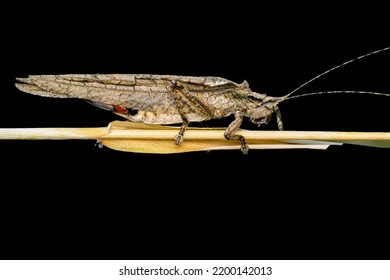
(330, 70)
(338, 91)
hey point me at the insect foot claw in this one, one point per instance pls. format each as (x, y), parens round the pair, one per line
(179, 139)
(244, 149)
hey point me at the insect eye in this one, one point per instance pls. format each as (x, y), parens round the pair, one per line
(268, 105)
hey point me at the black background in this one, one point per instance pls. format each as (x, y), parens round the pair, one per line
(69, 199)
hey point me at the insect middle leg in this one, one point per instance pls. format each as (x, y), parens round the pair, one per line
(180, 136)
(230, 132)
(187, 103)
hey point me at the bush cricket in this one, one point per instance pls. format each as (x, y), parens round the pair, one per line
(169, 99)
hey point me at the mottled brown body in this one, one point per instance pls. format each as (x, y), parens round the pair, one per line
(166, 99)
(161, 99)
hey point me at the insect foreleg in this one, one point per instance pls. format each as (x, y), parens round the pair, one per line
(279, 118)
(230, 132)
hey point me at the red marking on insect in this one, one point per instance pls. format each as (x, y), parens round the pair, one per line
(120, 109)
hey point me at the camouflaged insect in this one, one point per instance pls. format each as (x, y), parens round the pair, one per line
(162, 99)
(167, 99)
